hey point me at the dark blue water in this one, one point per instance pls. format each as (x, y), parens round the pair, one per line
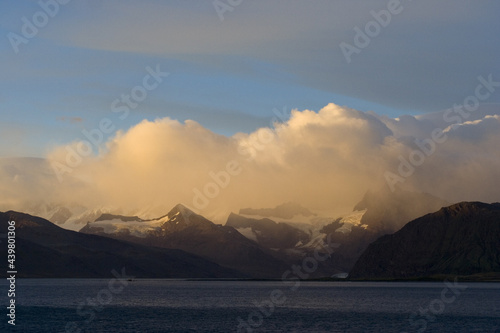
(74, 305)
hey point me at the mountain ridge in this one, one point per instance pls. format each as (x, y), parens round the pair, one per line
(183, 229)
(45, 250)
(461, 239)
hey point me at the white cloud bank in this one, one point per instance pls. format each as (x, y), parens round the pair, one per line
(325, 160)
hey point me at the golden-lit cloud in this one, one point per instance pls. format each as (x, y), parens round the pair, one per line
(325, 160)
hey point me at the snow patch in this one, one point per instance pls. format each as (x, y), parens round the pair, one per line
(351, 220)
(248, 233)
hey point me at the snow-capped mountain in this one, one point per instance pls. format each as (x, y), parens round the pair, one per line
(52, 252)
(256, 245)
(183, 229)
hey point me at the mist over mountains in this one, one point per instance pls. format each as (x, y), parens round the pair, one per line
(253, 203)
(461, 239)
(324, 160)
(456, 239)
(250, 166)
(185, 230)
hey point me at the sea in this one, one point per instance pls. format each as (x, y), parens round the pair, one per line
(166, 305)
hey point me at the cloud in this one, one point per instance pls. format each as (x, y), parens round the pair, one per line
(324, 160)
(467, 165)
(476, 131)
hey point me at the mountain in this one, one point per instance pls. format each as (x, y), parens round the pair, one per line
(268, 233)
(378, 213)
(185, 230)
(293, 243)
(351, 243)
(46, 250)
(69, 216)
(286, 211)
(106, 217)
(462, 239)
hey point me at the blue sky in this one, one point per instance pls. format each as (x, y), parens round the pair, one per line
(229, 75)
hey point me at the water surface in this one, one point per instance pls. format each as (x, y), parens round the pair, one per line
(142, 305)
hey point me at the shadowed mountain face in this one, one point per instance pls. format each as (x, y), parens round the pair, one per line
(268, 233)
(185, 230)
(351, 244)
(46, 250)
(462, 239)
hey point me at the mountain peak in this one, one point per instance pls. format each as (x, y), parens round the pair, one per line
(25, 220)
(182, 210)
(181, 217)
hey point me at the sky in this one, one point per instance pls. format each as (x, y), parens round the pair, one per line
(230, 74)
(167, 81)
